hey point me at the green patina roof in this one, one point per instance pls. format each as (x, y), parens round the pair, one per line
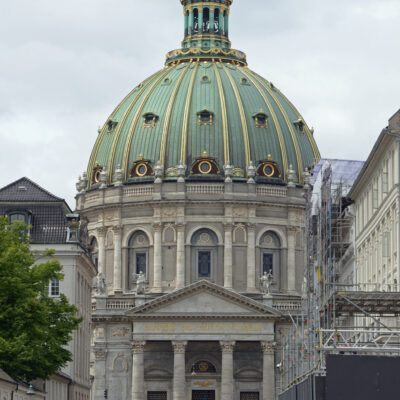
(175, 95)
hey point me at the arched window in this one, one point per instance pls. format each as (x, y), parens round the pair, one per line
(195, 20)
(138, 256)
(204, 255)
(216, 20)
(94, 252)
(270, 252)
(206, 20)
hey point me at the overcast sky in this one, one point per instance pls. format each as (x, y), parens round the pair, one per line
(65, 65)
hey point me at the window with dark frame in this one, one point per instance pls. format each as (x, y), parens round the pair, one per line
(204, 264)
(249, 395)
(141, 263)
(54, 288)
(157, 395)
(267, 263)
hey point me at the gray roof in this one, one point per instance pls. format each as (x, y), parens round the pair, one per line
(25, 190)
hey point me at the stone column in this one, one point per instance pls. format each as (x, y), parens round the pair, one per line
(157, 265)
(268, 386)
(102, 249)
(180, 256)
(251, 258)
(138, 370)
(117, 259)
(228, 256)
(179, 380)
(291, 258)
(99, 383)
(227, 370)
(200, 23)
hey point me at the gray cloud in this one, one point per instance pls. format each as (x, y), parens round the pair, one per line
(64, 66)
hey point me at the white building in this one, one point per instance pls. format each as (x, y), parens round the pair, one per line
(376, 196)
(51, 228)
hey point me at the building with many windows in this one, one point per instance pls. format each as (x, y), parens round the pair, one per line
(376, 197)
(54, 226)
(196, 215)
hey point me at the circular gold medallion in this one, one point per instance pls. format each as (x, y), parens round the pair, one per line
(97, 176)
(141, 169)
(269, 170)
(203, 366)
(205, 167)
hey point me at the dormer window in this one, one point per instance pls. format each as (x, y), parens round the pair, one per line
(244, 81)
(19, 216)
(261, 119)
(150, 120)
(205, 117)
(205, 79)
(299, 124)
(111, 126)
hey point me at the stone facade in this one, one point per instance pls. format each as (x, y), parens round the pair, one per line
(377, 202)
(150, 337)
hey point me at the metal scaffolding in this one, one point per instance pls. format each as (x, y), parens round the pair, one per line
(336, 307)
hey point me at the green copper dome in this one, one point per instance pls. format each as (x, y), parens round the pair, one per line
(205, 104)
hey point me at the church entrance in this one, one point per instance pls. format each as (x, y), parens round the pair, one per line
(203, 395)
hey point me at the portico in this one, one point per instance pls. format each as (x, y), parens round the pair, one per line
(223, 353)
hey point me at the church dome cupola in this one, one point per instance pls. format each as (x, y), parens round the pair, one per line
(206, 33)
(205, 99)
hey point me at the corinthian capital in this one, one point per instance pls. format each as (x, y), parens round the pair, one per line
(100, 353)
(179, 346)
(138, 346)
(227, 346)
(268, 347)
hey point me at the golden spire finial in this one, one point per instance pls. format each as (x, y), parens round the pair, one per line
(140, 157)
(269, 157)
(205, 155)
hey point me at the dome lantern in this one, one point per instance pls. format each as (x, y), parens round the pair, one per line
(206, 33)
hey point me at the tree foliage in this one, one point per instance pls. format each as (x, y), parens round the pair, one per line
(34, 328)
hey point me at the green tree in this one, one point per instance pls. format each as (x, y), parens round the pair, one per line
(34, 328)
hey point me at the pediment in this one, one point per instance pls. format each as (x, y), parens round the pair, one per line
(204, 299)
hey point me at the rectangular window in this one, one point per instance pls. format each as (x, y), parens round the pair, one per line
(374, 197)
(141, 263)
(203, 395)
(249, 395)
(54, 288)
(156, 395)
(385, 182)
(268, 263)
(204, 264)
(386, 244)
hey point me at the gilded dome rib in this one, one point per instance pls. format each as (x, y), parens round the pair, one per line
(168, 115)
(316, 152)
(100, 137)
(275, 118)
(242, 116)
(125, 159)
(185, 124)
(123, 120)
(290, 127)
(225, 130)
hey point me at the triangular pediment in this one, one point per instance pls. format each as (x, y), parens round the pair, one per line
(204, 299)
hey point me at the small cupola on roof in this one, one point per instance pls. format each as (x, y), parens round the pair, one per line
(206, 30)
